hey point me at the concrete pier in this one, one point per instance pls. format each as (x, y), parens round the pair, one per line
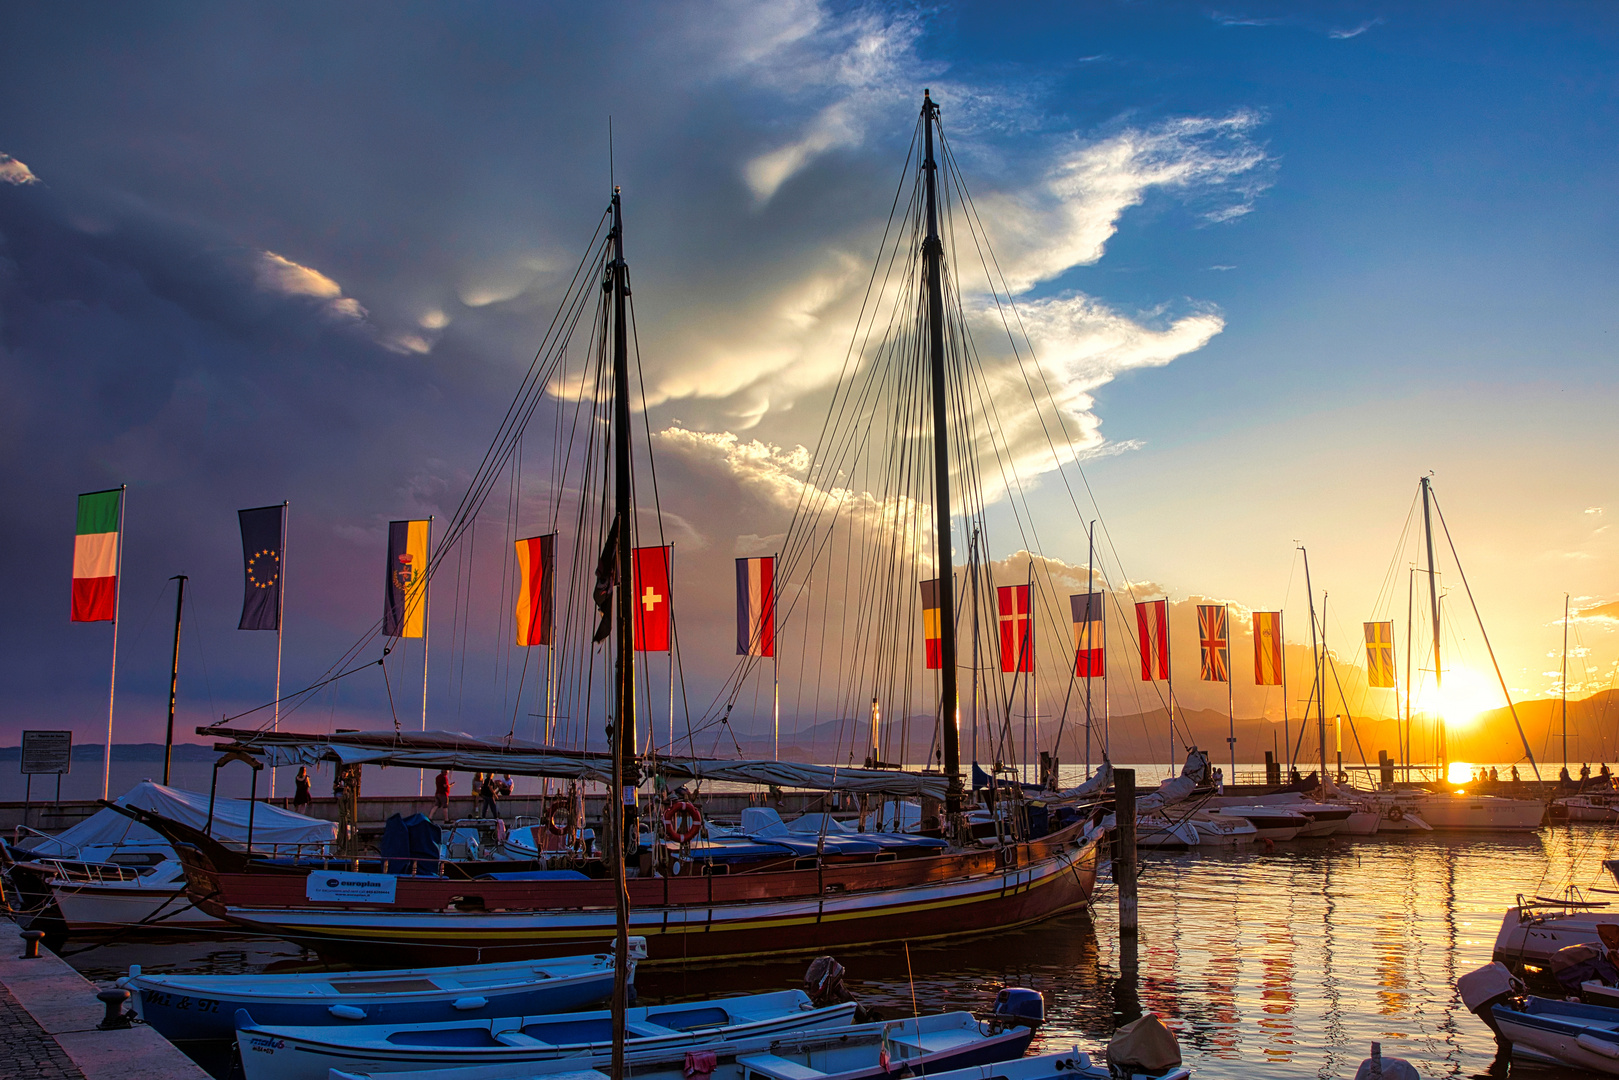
(48, 1018)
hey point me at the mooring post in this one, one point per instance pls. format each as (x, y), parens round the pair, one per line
(1124, 863)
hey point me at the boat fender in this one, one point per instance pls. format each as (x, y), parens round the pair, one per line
(466, 1004)
(1396, 813)
(683, 821)
(1590, 1042)
(347, 1012)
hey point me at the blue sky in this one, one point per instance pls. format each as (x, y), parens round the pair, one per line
(1286, 259)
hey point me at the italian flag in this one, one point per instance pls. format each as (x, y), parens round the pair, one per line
(95, 557)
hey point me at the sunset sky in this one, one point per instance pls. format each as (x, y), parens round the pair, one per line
(1281, 260)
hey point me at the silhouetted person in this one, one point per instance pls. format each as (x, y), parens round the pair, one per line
(1585, 774)
(1515, 774)
(1564, 778)
(488, 791)
(441, 794)
(300, 791)
(1495, 775)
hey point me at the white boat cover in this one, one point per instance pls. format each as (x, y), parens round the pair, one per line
(1193, 774)
(271, 824)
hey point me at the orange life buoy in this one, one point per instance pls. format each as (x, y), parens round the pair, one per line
(682, 820)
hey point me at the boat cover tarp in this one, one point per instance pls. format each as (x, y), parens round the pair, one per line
(410, 845)
(271, 824)
(469, 753)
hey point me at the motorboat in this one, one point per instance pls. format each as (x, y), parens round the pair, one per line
(1276, 823)
(190, 1007)
(1163, 832)
(292, 1052)
(1220, 830)
(1537, 927)
(1603, 806)
(109, 873)
(1561, 1032)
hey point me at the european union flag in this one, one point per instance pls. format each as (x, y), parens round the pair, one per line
(263, 531)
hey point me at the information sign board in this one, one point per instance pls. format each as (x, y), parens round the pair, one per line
(47, 752)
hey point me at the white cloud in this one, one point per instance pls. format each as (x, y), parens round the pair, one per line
(1067, 217)
(288, 278)
(1595, 511)
(13, 171)
(1344, 35)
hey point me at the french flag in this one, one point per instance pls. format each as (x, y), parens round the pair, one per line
(756, 606)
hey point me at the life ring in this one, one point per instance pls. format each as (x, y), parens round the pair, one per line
(682, 821)
(559, 820)
(1396, 813)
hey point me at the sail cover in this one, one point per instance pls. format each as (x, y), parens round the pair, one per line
(466, 753)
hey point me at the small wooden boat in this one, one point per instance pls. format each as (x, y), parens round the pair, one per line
(307, 1053)
(925, 1045)
(186, 1007)
(1562, 1032)
(1065, 1065)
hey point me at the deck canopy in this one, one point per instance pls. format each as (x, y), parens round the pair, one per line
(468, 753)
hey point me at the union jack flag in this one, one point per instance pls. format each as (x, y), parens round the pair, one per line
(1211, 632)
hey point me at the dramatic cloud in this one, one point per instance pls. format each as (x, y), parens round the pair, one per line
(13, 171)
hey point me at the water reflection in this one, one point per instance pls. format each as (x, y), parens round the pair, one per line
(1268, 964)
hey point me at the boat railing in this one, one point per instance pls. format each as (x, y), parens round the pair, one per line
(21, 830)
(94, 873)
(1572, 900)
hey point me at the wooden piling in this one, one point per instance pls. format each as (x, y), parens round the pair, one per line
(1124, 864)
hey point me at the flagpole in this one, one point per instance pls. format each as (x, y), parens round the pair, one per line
(112, 681)
(1230, 697)
(280, 609)
(427, 631)
(775, 669)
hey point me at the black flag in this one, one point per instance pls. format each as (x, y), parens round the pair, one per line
(606, 578)
(262, 532)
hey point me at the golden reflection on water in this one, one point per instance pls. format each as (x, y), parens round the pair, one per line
(1267, 964)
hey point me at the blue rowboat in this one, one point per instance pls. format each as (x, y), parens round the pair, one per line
(924, 1045)
(766, 1065)
(1564, 1032)
(308, 1053)
(187, 1007)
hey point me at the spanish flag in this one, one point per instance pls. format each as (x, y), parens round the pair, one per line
(536, 589)
(1380, 655)
(930, 623)
(1268, 648)
(404, 612)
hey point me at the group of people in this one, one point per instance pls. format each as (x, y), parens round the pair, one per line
(488, 789)
(1585, 775)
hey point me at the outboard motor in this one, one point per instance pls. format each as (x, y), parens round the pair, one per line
(1018, 1006)
(1481, 990)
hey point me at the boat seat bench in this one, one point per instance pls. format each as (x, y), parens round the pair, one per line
(778, 1068)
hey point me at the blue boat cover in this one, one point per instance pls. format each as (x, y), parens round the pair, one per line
(536, 875)
(410, 845)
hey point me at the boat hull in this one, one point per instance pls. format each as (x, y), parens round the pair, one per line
(1531, 937)
(682, 919)
(90, 909)
(1586, 1042)
(1456, 813)
(292, 1053)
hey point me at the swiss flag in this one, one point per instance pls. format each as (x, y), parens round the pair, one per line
(652, 599)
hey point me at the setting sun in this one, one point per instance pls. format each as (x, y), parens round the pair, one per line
(1465, 695)
(1461, 772)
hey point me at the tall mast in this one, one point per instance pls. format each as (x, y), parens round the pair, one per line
(174, 676)
(1565, 680)
(621, 801)
(932, 256)
(1433, 604)
(1315, 659)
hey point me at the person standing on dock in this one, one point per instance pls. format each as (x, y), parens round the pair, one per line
(488, 793)
(441, 794)
(300, 791)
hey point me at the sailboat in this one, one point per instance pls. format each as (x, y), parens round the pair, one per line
(810, 893)
(1443, 806)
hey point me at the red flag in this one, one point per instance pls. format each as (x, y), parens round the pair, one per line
(932, 625)
(1152, 621)
(536, 589)
(652, 599)
(1017, 629)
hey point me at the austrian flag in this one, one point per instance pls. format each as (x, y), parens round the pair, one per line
(1152, 622)
(95, 556)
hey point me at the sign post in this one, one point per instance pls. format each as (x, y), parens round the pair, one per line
(45, 752)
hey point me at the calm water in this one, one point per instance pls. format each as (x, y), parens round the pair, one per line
(1279, 964)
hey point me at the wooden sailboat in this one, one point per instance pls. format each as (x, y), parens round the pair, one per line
(829, 896)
